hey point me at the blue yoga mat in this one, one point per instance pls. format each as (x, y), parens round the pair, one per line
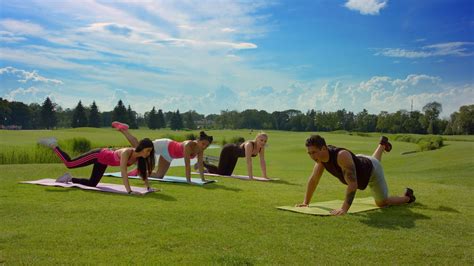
(172, 179)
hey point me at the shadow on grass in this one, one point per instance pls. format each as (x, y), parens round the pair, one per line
(157, 195)
(209, 186)
(394, 218)
(440, 208)
(283, 182)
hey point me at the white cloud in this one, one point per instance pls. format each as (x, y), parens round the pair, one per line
(18, 27)
(366, 7)
(27, 95)
(26, 76)
(391, 94)
(440, 49)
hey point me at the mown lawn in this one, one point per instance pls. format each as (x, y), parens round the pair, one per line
(235, 222)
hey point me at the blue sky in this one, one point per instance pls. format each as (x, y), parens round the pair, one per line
(209, 56)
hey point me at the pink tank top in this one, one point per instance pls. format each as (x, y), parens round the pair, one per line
(176, 150)
(110, 157)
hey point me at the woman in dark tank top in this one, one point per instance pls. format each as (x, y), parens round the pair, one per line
(232, 152)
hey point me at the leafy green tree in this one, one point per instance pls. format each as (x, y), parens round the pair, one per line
(152, 119)
(35, 117)
(79, 117)
(20, 115)
(176, 121)
(106, 118)
(413, 123)
(94, 116)
(132, 118)
(461, 122)
(48, 114)
(280, 120)
(5, 111)
(189, 121)
(161, 119)
(120, 113)
(432, 111)
(64, 117)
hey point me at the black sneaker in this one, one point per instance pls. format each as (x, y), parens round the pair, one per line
(409, 193)
(384, 142)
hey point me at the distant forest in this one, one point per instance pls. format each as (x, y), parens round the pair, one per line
(17, 115)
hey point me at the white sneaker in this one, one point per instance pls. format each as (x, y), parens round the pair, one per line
(48, 142)
(66, 178)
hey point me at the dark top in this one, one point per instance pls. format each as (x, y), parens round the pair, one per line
(363, 167)
(240, 149)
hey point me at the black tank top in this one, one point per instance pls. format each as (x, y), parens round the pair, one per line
(363, 167)
(241, 149)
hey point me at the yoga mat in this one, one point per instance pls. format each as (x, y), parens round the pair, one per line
(103, 187)
(244, 177)
(167, 178)
(323, 208)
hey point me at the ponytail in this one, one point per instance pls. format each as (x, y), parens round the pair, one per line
(204, 136)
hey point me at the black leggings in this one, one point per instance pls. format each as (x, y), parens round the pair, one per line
(85, 159)
(228, 159)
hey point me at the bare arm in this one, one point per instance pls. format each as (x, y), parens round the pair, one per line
(263, 164)
(200, 157)
(248, 157)
(123, 167)
(313, 182)
(344, 159)
(188, 150)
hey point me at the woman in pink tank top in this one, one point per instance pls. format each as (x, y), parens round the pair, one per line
(101, 158)
(169, 149)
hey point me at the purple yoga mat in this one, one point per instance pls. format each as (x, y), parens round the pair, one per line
(103, 187)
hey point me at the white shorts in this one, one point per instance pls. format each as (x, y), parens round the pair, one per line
(161, 149)
(377, 182)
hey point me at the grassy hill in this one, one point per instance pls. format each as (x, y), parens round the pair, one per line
(235, 222)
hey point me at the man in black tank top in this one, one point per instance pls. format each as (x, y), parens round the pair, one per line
(355, 171)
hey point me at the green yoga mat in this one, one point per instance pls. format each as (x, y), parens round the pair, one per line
(323, 208)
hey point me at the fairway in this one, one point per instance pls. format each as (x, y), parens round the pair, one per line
(235, 222)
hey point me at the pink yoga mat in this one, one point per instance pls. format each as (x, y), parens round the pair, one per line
(244, 177)
(104, 187)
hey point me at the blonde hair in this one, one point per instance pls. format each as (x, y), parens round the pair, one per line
(261, 134)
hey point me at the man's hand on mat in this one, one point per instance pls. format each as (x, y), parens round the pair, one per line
(338, 212)
(301, 205)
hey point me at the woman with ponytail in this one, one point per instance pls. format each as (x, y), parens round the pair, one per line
(169, 149)
(232, 152)
(101, 158)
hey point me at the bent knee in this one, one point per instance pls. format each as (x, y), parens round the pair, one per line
(381, 203)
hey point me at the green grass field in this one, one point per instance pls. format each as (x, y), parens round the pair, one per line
(235, 222)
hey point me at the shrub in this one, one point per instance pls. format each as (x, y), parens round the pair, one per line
(81, 145)
(425, 143)
(236, 140)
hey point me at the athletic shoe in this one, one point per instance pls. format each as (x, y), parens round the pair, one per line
(66, 178)
(409, 193)
(119, 126)
(384, 142)
(48, 142)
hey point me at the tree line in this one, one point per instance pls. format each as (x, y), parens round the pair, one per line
(49, 115)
